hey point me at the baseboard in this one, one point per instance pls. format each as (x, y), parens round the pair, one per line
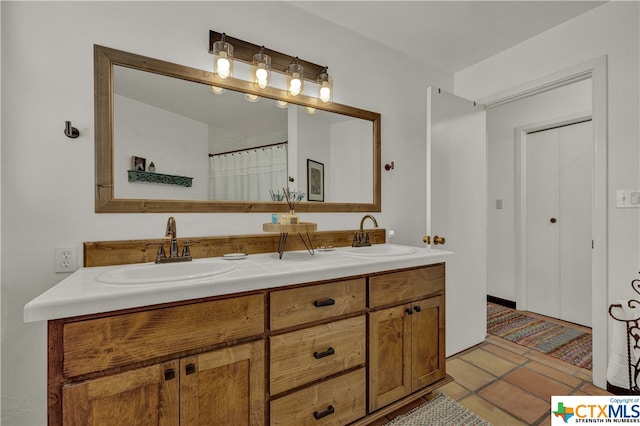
(499, 301)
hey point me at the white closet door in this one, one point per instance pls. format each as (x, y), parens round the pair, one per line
(576, 162)
(543, 206)
(559, 199)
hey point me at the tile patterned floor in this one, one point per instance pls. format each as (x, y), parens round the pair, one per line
(509, 384)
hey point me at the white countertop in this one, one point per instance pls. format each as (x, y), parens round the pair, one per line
(82, 294)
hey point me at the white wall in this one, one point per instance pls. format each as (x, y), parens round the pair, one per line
(502, 122)
(48, 179)
(351, 161)
(176, 145)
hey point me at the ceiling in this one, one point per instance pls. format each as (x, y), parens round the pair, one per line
(450, 35)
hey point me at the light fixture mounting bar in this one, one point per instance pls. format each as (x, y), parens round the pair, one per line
(244, 51)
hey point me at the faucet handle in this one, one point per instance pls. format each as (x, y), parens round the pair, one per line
(185, 247)
(160, 254)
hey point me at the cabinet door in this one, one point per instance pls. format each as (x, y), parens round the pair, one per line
(224, 387)
(389, 356)
(147, 396)
(427, 341)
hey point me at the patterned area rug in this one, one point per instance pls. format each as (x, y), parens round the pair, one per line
(442, 410)
(568, 344)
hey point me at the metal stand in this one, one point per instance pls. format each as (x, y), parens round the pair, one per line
(633, 340)
(283, 241)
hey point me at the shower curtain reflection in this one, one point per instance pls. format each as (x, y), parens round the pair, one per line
(248, 175)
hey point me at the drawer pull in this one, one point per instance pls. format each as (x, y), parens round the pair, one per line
(190, 368)
(325, 413)
(409, 311)
(321, 303)
(169, 374)
(417, 308)
(318, 355)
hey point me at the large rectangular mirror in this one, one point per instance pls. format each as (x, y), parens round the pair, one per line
(220, 152)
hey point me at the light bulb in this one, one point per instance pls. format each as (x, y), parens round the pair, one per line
(325, 94)
(224, 67)
(261, 74)
(216, 90)
(310, 110)
(251, 98)
(262, 78)
(295, 85)
(282, 104)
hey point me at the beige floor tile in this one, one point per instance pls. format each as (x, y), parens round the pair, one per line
(454, 390)
(513, 347)
(515, 401)
(488, 361)
(489, 412)
(591, 389)
(505, 353)
(467, 375)
(583, 374)
(536, 383)
(555, 374)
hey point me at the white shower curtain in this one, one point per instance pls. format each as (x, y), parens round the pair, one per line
(248, 175)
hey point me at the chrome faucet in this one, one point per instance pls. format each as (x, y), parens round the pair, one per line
(362, 239)
(173, 246)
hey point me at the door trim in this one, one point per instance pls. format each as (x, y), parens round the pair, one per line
(596, 69)
(521, 196)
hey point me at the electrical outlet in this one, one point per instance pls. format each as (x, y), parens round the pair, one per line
(66, 258)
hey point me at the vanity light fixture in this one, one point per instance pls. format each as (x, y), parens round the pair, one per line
(295, 78)
(261, 69)
(325, 84)
(223, 58)
(293, 68)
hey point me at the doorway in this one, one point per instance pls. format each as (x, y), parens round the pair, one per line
(596, 71)
(557, 181)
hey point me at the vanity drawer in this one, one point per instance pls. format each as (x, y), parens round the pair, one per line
(317, 302)
(341, 400)
(103, 343)
(398, 287)
(299, 357)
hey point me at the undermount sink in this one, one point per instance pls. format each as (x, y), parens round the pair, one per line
(378, 250)
(165, 272)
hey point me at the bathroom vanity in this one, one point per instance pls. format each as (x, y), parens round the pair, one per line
(341, 337)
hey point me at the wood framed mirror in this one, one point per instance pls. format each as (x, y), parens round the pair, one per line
(161, 112)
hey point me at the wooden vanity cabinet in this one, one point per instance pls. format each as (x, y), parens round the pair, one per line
(331, 353)
(113, 369)
(406, 340)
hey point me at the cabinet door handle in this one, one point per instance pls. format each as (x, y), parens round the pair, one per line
(325, 413)
(409, 311)
(318, 355)
(321, 303)
(190, 368)
(417, 308)
(169, 374)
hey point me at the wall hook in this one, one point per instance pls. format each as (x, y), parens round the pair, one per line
(389, 166)
(70, 131)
